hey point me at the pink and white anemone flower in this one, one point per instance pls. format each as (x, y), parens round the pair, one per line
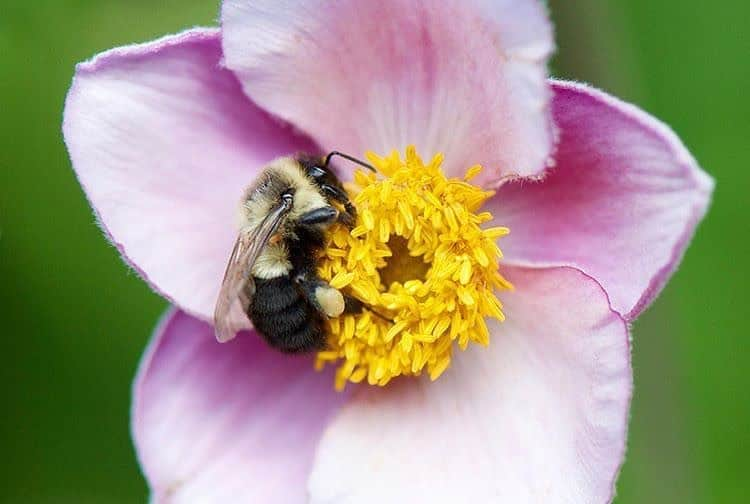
(601, 198)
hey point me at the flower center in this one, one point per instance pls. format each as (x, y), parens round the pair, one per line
(401, 266)
(423, 266)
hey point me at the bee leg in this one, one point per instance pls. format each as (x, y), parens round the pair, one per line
(328, 301)
(337, 194)
(347, 219)
(331, 302)
(352, 304)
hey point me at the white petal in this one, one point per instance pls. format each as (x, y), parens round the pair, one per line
(231, 422)
(539, 416)
(467, 78)
(622, 202)
(164, 142)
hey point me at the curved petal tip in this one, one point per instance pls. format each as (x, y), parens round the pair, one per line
(164, 142)
(622, 202)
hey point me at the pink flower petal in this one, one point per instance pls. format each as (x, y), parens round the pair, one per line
(539, 416)
(463, 77)
(164, 141)
(621, 204)
(231, 422)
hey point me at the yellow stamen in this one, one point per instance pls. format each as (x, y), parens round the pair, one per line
(422, 264)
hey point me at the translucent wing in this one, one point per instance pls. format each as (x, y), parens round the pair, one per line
(238, 288)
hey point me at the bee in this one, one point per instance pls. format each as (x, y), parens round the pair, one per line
(271, 276)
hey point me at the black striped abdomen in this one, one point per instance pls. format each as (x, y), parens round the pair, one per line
(284, 317)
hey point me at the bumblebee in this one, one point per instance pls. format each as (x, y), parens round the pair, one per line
(271, 276)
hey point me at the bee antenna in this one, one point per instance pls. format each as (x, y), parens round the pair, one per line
(350, 158)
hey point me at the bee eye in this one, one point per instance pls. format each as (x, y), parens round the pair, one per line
(317, 172)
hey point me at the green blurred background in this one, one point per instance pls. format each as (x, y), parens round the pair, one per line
(75, 319)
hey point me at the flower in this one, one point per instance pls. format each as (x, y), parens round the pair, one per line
(420, 255)
(601, 200)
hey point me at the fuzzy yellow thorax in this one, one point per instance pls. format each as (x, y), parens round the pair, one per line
(420, 260)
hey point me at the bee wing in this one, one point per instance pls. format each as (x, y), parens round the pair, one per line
(234, 293)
